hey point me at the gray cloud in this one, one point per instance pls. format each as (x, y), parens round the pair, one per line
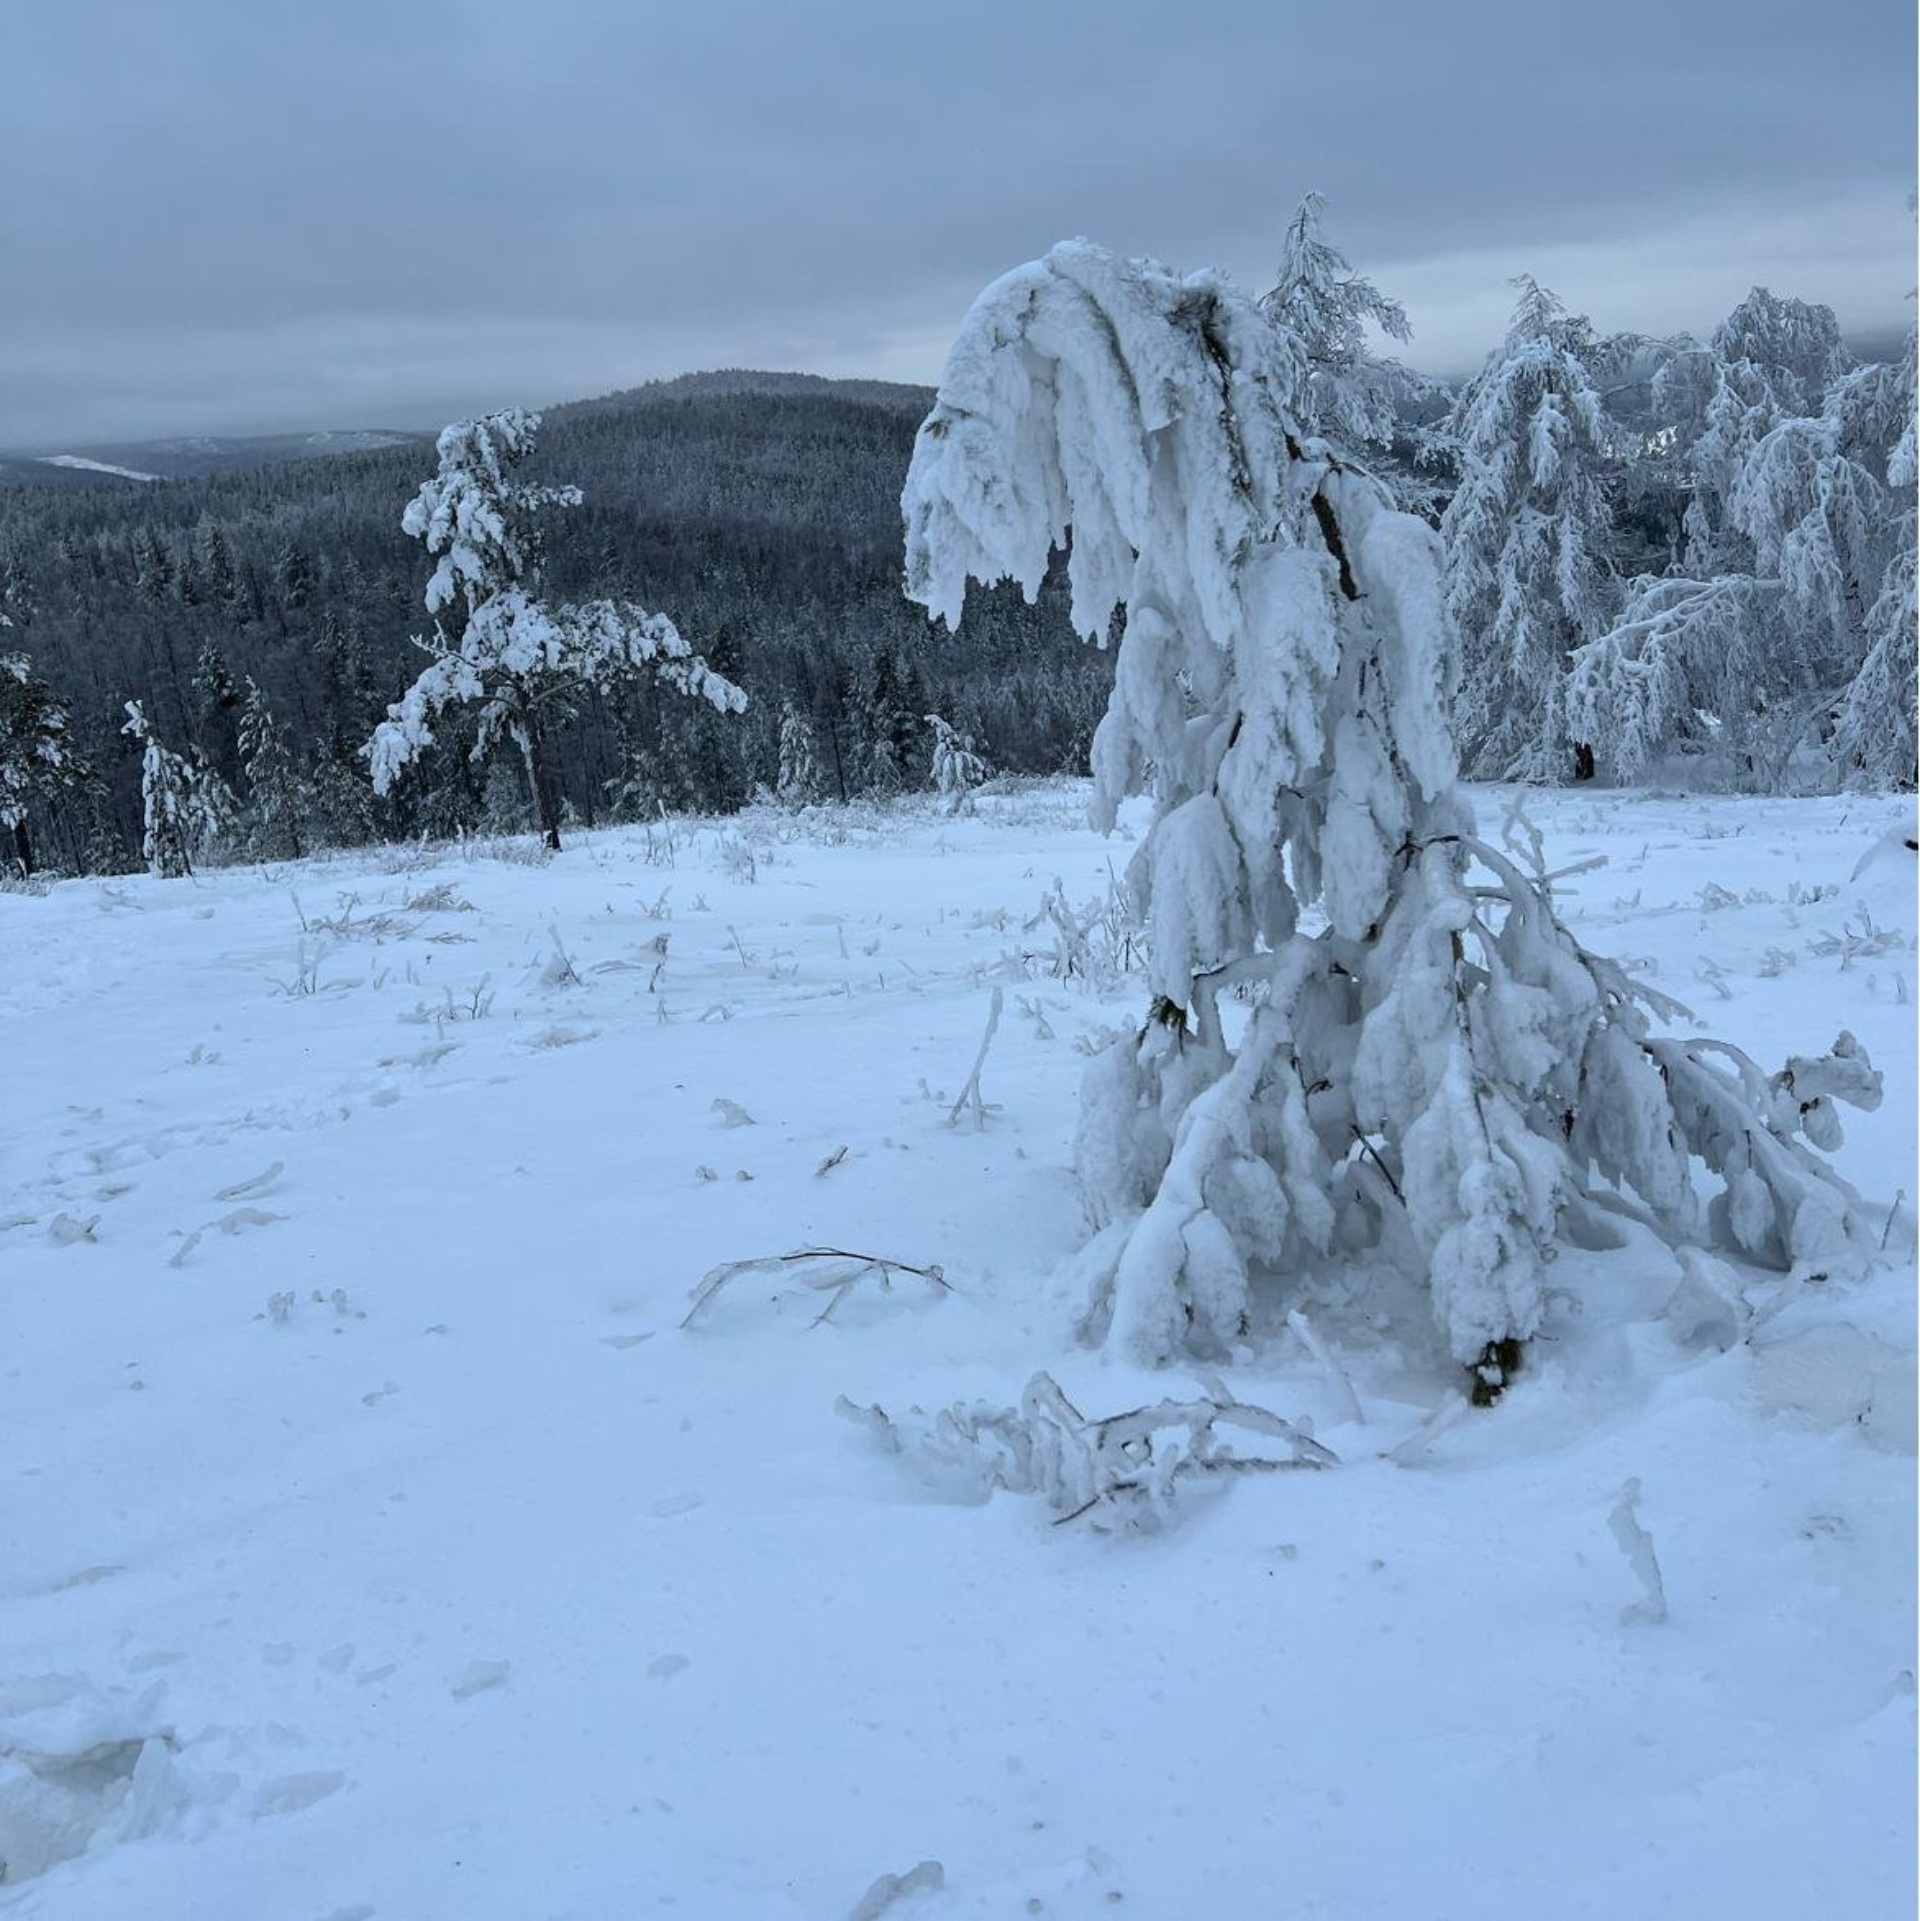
(225, 215)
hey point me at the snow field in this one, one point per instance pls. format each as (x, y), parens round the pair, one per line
(390, 1549)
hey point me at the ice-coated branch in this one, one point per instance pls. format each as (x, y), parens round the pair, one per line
(1121, 1471)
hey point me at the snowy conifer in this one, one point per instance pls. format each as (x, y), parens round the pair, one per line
(1770, 360)
(276, 812)
(37, 756)
(495, 642)
(1526, 537)
(1825, 502)
(957, 769)
(1429, 1078)
(1874, 740)
(168, 817)
(797, 783)
(1341, 390)
(1792, 592)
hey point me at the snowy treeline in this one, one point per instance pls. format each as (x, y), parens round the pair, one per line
(762, 510)
(1767, 628)
(1678, 560)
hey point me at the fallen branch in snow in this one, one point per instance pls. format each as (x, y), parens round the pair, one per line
(1121, 1469)
(970, 1094)
(836, 1270)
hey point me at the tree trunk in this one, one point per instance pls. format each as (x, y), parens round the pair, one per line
(1584, 765)
(23, 847)
(543, 786)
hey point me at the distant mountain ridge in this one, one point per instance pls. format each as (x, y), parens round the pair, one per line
(137, 463)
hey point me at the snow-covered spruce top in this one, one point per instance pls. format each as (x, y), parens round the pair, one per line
(1289, 726)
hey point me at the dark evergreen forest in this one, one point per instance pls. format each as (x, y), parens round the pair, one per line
(760, 512)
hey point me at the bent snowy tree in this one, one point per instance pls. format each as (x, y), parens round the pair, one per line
(494, 642)
(1433, 1074)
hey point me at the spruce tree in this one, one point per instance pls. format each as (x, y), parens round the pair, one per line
(1435, 1080)
(1527, 532)
(496, 644)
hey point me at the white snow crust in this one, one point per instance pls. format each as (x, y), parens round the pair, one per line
(378, 1544)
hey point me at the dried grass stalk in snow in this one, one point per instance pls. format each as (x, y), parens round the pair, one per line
(1436, 1073)
(835, 1271)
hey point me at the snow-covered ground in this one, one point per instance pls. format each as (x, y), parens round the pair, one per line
(376, 1542)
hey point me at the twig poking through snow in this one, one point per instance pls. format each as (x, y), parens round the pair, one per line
(1323, 1356)
(1637, 1545)
(970, 1094)
(1436, 1424)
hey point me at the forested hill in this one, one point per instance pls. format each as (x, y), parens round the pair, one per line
(761, 511)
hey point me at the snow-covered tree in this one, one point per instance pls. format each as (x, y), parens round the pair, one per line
(1340, 389)
(1825, 502)
(277, 808)
(1432, 1068)
(495, 642)
(1770, 360)
(37, 755)
(1526, 537)
(1688, 664)
(797, 783)
(171, 823)
(1874, 736)
(957, 769)
(1792, 591)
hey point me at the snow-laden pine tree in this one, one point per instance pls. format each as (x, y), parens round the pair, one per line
(277, 805)
(496, 643)
(957, 768)
(171, 822)
(37, 756)
(1433, 1070)
(1526, 534)
(797, 781)
(1341, 390)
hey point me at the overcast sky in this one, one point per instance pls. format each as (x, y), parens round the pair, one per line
(251, 215)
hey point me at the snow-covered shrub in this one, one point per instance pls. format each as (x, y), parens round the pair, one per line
(495, 642)
(1432, 1077)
